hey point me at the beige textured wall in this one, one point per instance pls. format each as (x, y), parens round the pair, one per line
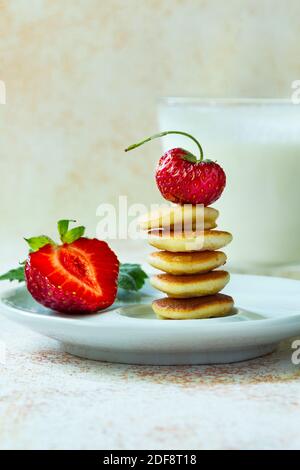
(82, 81)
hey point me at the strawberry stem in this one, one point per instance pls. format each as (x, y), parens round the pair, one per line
(162, 134)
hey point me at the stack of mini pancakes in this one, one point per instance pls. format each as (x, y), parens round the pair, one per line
(189, 258)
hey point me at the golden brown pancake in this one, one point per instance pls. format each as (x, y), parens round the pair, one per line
(195, 285)
(187, 263)
(218, 305)
(178, 216)
(189, 241)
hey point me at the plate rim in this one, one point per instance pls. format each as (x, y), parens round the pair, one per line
(131, 322)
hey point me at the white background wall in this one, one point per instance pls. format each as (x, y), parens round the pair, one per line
(82, 81)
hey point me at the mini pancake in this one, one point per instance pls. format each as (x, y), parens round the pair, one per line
(176, 217)
(189, 241)
(195, 285)
(187, 263)
(218, 305)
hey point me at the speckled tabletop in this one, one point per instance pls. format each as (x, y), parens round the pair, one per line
(51, 400)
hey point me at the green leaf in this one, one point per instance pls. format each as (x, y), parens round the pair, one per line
(126, 282)
(131, 277)
(35, 243)
(63, 226)
(73, 234)
(14, 275)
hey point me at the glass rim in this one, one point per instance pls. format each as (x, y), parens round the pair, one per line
(235, 101)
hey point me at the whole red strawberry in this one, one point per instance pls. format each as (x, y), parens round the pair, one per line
(184, 179)
(79, 276)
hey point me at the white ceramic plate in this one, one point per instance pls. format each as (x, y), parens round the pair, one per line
(268, 311)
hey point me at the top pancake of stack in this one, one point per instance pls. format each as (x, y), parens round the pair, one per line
(178, 218)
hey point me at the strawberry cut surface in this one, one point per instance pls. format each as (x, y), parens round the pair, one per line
(80, 277)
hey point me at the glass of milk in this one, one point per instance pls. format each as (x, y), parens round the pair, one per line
(257, 142)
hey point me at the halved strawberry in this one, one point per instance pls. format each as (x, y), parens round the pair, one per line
(81, 275)
(76, 277)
